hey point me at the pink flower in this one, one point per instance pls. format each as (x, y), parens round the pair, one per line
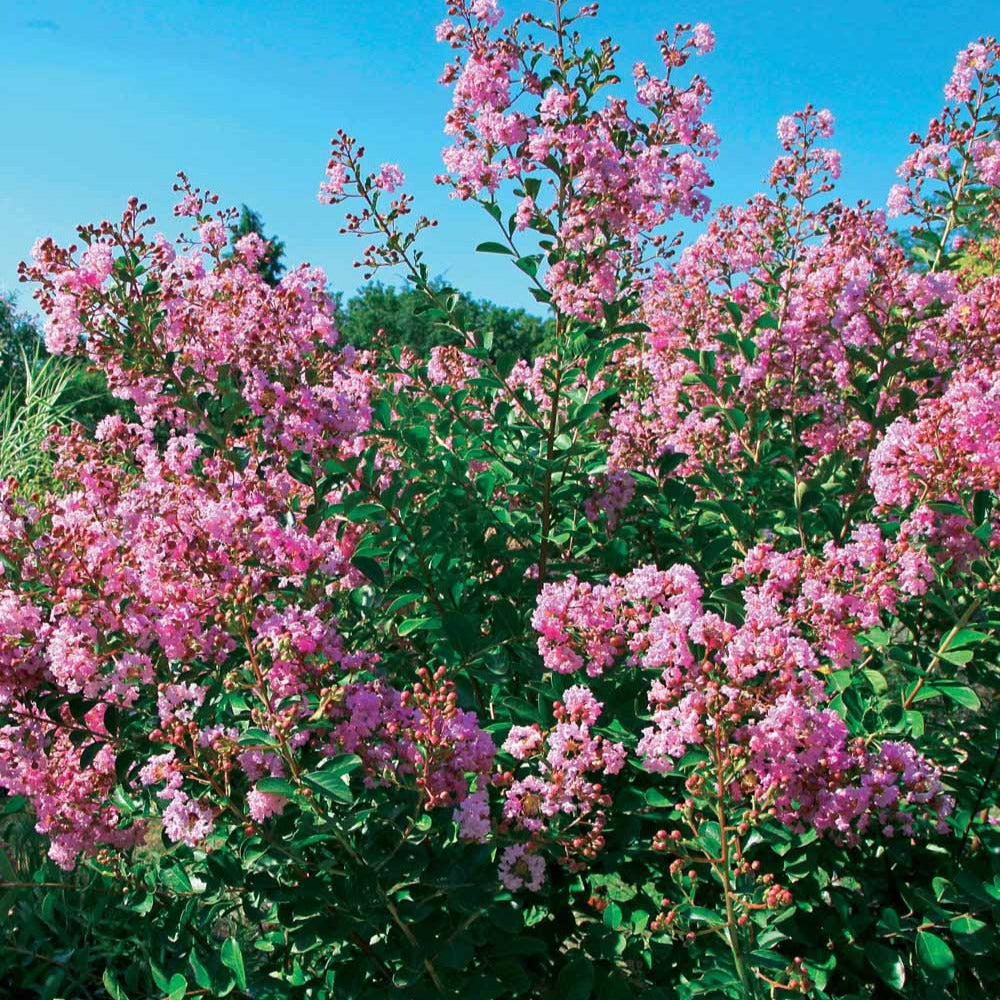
(251, 248)
(213, 234)
(486, 11)
(523, 741)
(332, 189)
(529, 801)
(703, 38)
(188, 821)
(389, 177)
(63, 328)
(898, 202)
(263, 805)
(473, 817)
(189, 205)
(96, 264)
(970, 60)
(519, 869)
(824, 123)
(581, 705)
(787, 130)
(525, 213)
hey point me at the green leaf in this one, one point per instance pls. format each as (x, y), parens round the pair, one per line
(703, 915)
(365, 512)
(14, 804)
(877, 681)
(980, 506)
(276, 786)
(257, 737)
(734, 310)
(112, 986)
(529, 265)
(382, 411)
(159, 977)
(615, 889)
(967, 637)
(413, 624)
(914, 722)
(576, 980)
(177, 987)
(491, 247)
(232, 959)
(658, 800)
(176, 879)
(959, 657)
(933, 953)
(142, 903)
(403, 600)
(966, 925)
(201, 975)
(887, 964)
(333, 780)
(370, 568)
(961, 695)
(958, 693)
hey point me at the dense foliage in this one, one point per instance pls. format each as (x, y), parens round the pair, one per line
(380, 314)
(663, 665)
(19, 339)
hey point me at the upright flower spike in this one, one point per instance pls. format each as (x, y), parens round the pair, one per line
(597, 176)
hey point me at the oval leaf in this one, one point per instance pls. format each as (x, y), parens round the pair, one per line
(933, 953)
(232, 958)
(887, 964)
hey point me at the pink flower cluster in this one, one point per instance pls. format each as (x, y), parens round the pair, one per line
(843, 592)
(614, 493)
(620, 176)
(583, 626)
(807, 168)
(185, 820)
(801, 756)
(182, 540)
(959, 151)
(751, 328)
(43, 760)
(948, 449)
(559, 804)
(751, 695)
(419, 734)
(222, 331)
(451, 366)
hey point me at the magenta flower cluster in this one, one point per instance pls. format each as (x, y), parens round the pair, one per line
(751, 695)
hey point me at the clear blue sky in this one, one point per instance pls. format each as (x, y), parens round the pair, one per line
(105, 99)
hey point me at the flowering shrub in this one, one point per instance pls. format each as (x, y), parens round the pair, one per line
(660, 666)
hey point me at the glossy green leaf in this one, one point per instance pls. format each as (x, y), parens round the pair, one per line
(232, 958)
(576, 979)
(490, 247)
(333, 780)
(887, 963)
(933, 953)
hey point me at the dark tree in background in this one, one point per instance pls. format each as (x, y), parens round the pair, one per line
(19, 337)
(403, 317)
(270, 266)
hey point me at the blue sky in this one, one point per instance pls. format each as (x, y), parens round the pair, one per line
(102, 100)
